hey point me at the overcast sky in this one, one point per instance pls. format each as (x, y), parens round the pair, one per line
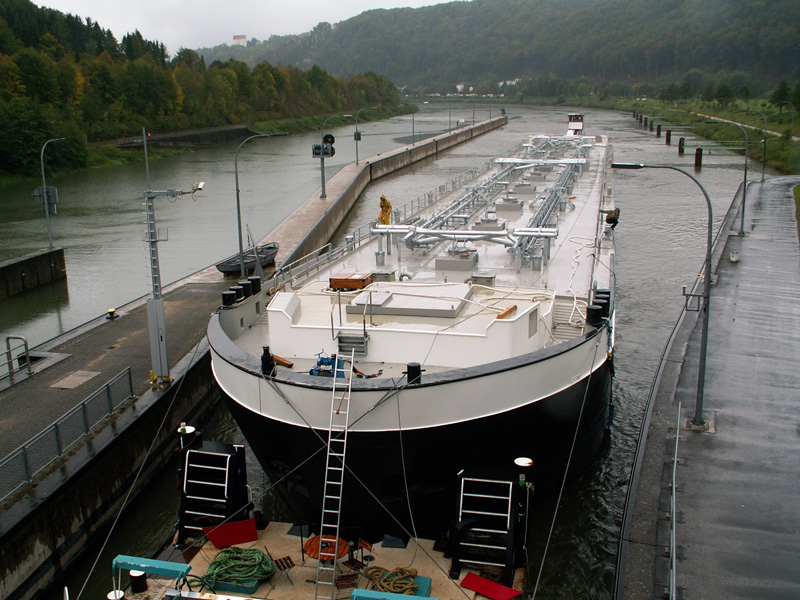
(207, 23)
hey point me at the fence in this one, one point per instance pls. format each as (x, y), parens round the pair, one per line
(24, 463)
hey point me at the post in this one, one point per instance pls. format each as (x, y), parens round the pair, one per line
(764, 154)
(238, 206)
(697, 420)
(322, 155)
(744, 181)
(698, 159)
(45, 199)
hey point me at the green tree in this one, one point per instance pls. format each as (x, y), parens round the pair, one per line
(38, 75)
(782, 93)
(724, 94)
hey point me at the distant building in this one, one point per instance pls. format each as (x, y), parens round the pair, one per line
(240, 40)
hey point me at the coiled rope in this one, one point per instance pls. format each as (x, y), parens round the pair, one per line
(239, 565)
(398, 581)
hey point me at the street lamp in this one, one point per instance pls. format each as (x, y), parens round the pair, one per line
(764, 157)
(357, 134)
(322, 154)
(44, 193)
(746, 150)
(697, 420)
(791, 123)
(238, 206)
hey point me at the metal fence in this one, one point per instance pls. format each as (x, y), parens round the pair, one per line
(24, 463)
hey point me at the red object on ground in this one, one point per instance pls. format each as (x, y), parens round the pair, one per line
(488, 588)
(230, 534)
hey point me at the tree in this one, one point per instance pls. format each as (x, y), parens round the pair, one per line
(38, 75)
(724, 94)
(780, 94)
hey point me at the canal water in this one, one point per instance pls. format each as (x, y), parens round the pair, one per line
(660, 248)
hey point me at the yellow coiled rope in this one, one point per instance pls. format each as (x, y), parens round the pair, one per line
(398, 581)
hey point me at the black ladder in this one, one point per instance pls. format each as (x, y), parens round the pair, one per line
(325, 587)
(484, 536)
(214, 487)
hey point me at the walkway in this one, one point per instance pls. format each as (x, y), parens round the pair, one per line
(738, 526)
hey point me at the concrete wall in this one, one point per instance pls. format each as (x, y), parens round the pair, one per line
(30, 271)
(57, 517)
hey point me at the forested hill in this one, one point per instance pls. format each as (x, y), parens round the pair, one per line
(486, 41)
(65, 76)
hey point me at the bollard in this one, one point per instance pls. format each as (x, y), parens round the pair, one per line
(681, 146)
(640, 118)
(669, 137)
(698, 159)
(658, 130)
(651, 124)
(645, 122)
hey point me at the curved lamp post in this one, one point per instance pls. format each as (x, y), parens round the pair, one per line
(744, 181)
(322, 154)
(46, 201)
(357, 134)
(697, 420)
(764, 156)
(238, 205)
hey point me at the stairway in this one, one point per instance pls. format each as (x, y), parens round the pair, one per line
(355, 344)
(325, 587)
(484, 535)
(214, 488)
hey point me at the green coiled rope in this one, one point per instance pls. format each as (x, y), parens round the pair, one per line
(240, 565)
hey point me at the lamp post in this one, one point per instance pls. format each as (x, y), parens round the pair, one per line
(357, 134)
(413, 132)
(744, 184)
(238, 205)
(791, 123)
(322, 154)
(44, 193)
(764, 156)
(706, 295)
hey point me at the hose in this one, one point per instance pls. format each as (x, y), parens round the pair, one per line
(240, 565)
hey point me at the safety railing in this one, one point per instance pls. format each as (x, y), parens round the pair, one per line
(15, 353)
(30, 459)
(673, 513)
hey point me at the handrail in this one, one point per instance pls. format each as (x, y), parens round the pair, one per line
(9, 360)
(28, 460)
(673, 513)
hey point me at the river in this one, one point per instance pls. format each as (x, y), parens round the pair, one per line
(660, 247)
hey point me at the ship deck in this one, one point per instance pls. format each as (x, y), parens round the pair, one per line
(426, 288)
(424, 556)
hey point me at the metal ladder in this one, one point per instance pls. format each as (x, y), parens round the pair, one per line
(325, 586)
(489, 541)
